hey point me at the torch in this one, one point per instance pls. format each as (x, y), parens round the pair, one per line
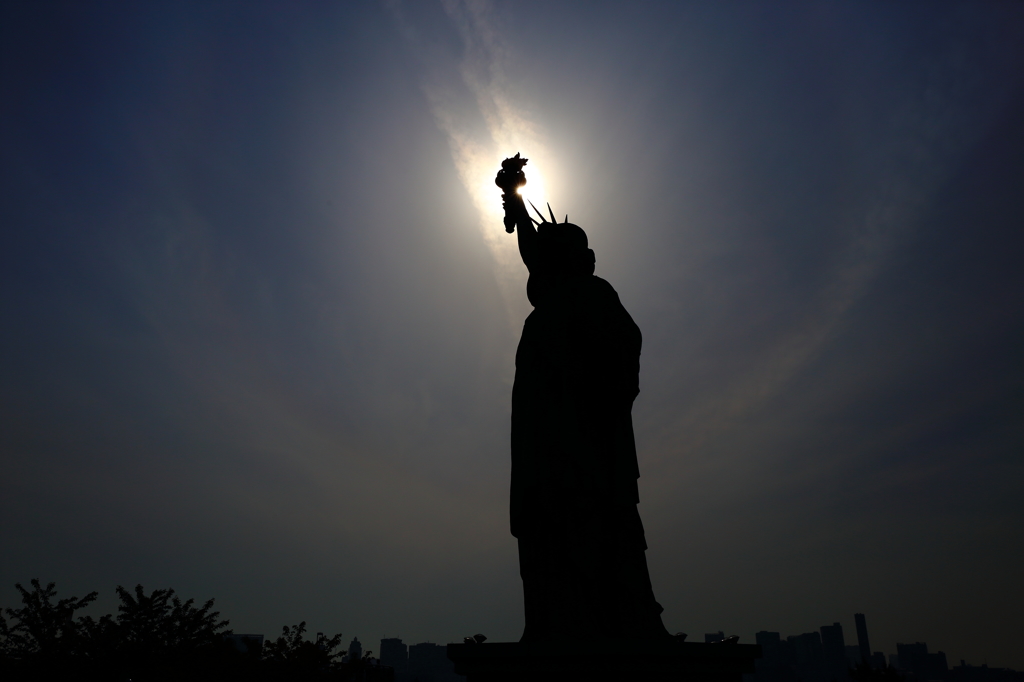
(510, 179)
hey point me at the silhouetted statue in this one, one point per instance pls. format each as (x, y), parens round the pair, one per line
(574, 470)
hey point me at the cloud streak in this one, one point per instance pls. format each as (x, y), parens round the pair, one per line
(469, 95)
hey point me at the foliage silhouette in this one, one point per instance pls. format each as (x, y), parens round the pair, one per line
(291, 650)
(156, 637)
(42, 630)
(161, 622)
(159, 632)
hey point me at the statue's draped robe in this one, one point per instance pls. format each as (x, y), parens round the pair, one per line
(574, 469)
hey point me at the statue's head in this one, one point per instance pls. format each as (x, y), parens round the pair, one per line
(563, 247)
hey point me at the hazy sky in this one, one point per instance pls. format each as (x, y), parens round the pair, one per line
(258, 313)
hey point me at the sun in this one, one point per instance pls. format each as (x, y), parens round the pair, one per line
(534, 191)
(488, 196)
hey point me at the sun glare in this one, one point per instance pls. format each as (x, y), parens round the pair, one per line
(534, 190)
(488, 195)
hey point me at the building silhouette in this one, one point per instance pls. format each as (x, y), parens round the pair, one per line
(833, 650)
(983, 673)
(876, 660)
(245, 643)
(862, 638)
(429, 663)
(777, 662)
(395, 654)
(825, 657)
(923, 666)
(424, 662)
(810, 659)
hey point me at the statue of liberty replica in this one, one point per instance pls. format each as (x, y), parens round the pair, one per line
(574, 469)
(591, 615)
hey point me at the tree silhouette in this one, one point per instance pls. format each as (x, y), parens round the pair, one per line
(152, 636)
(292, 651)
(159, 632)
(41, 627)
(143, 622)
(162, 622)
(98, 640)
(157, 637)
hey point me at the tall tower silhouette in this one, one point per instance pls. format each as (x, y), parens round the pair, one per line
(862, 638)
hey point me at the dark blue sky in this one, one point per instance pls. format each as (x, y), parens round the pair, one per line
(259, 313)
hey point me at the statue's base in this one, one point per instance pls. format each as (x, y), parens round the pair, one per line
(641, 661)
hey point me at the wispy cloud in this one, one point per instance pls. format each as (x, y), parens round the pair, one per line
(471, 102)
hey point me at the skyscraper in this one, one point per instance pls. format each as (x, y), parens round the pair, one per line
(777, 659)
(862, 637)
(833, 649)
(810, 661)
(394, 653)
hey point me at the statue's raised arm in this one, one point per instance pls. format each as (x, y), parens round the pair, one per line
(510, 178)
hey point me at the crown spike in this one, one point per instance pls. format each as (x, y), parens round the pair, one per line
(552, 213)
(542, 218)
(566, 218)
